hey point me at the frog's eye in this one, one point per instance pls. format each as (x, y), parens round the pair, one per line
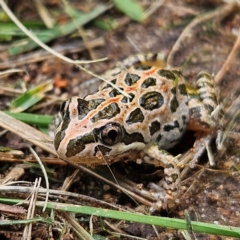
(111, 134)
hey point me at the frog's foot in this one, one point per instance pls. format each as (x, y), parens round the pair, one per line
(202, 144)
(166, 191)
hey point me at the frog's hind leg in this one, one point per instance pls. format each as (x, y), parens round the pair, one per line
(202, 103)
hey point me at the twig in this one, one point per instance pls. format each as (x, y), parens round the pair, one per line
(230, 58)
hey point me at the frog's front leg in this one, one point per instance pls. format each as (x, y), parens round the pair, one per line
(167, 191)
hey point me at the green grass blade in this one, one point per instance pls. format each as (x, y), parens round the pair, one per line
(140, 218)
(106, 24)
(98, 237)
(26, 221)
(10, 29)
(30, 97)
(130, 8)
(58, 31)
(27, 44)
(29, 118)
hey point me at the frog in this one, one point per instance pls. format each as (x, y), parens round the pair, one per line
(140, 112)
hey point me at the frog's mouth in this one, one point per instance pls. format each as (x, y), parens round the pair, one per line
(100, 159)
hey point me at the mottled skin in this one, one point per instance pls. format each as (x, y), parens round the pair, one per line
(108, 126)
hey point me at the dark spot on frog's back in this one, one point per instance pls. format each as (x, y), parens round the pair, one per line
(142, 67)
(84, 107)
(135, 116)
(151, 100)
(115, 92)
(106, 113)
(169, 127)
(108, 85)
(174, 104)
(184, 119)
(159, 137)
(182, 89)
(77, 145)
(131, 79)
(128, 99)
(149, 82)
(155, 126)
(174, 90)
(167, 74)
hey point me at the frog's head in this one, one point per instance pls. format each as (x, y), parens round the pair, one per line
(92, 132)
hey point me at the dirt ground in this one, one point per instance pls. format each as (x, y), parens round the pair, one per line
(210, 194)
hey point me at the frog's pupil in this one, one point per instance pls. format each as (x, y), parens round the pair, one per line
(112, 134)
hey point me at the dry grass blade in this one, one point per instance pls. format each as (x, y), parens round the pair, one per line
(15, 174)
(44, 174)
(152, 9)
(26, 132)
(10, 91)
(70, 180)
(10, 71)
(17, 210)
(76, 227)
(44, 13)
(31, 210)
(8, 157)
(15, 188)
